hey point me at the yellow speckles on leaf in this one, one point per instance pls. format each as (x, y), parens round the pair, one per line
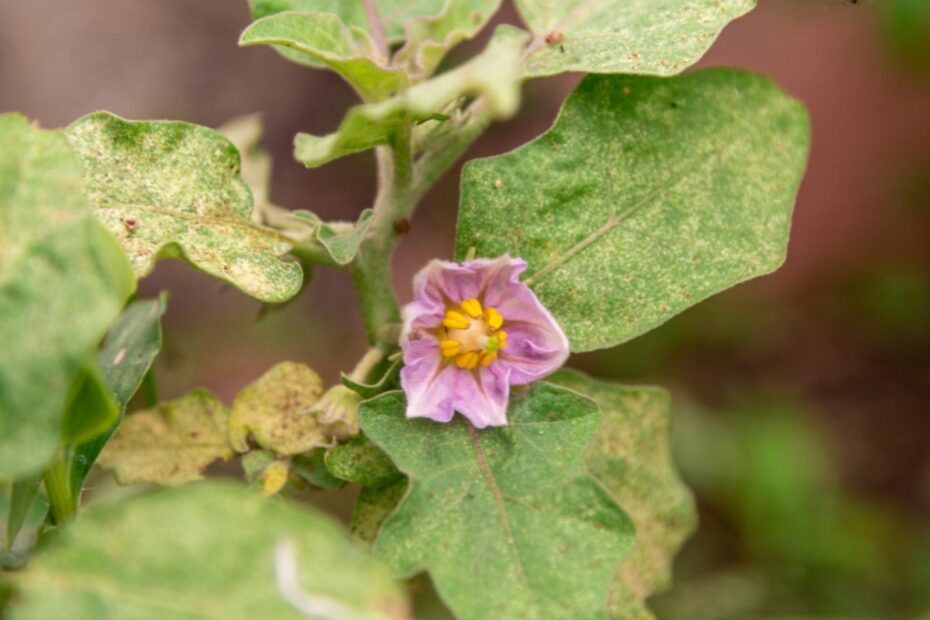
(455, 320)
(472, 308)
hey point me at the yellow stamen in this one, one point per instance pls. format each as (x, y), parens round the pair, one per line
(472, 307)
(493, 318)
(487, 357)
(456, 320)
(501, 339)
(467, 360)
(450, 348)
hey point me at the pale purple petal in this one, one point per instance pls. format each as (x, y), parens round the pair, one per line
(435, 387)
(482, 396)
(426, 381)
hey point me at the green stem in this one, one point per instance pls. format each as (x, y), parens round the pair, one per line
(371, 271)
(363, 369)
(432, 165)
(58, 488)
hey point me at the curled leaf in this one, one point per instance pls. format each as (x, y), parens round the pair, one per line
(275, 410)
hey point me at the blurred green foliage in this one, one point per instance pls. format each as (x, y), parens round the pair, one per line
(781, 536)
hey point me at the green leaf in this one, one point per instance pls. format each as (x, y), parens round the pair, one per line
(22, 495)
(387, 381)
(323, 38)
(631, 458)
(494, 74)
(275, 410)
(63, 279)
(506, 520)
(173, 189)
(429, 39)
(311, 467)
(646, 196)
(23, 513)
(340, 239)
(361, 461)
(373, 506)
(91, 409)
(396, 14)
(255, 463)
(210, 550)
(126, 356)
(658, 37)
(169, 444)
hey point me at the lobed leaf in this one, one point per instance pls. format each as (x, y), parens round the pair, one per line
(169, 444)
(126, 356)
(210, 550)
(631, 458)
(430, 38)
(63, 279)
(341, 240)
(506, 520)
(646, 196)
(173, 189)
(326, 40)
(395, 14)
(493, 74)
(657, 37)
(275, 410)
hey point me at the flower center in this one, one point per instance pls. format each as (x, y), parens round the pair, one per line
(472, 335)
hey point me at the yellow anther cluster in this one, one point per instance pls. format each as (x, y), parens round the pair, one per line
(472, 335)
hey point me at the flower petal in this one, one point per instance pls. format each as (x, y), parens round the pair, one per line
(482, 395)
(426, 382)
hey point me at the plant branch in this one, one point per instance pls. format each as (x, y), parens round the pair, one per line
(432, 165)
(371, 270)
(57, 481)
(376, 26)
(365, 366)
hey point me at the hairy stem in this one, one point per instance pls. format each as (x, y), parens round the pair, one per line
(58, 487)
(376, 27)
(365, 366)
(371, 271)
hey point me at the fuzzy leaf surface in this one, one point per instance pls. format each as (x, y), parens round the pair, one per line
(173, 189)
(63, 279)
(429, 39)
(341, 240)
(494, 74)
(506, 520)
(208, 550)
(326, 40)
(646, 196)
(169, 444)
(631, 458)
(654, 37)
(395, 14)
(275, 410)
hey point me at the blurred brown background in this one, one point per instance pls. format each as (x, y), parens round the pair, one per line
(818, 377)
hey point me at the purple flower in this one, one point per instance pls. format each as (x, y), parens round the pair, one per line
(472, 331)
